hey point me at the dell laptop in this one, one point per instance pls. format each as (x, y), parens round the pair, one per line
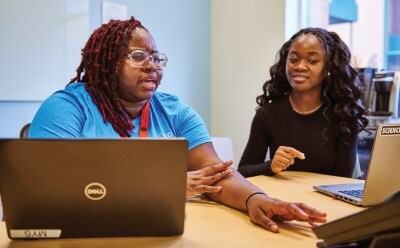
(383, 176)
(80, 188)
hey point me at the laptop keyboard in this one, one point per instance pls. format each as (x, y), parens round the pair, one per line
(355, 193)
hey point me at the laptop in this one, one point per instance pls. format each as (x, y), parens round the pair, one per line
(383, 176)
(82, 188)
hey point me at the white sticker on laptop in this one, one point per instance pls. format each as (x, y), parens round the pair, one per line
(390, 130)
(35, 233)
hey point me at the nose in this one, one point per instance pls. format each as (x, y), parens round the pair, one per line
(301, 65)
(149, 65)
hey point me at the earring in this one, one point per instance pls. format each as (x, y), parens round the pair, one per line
(329, 73)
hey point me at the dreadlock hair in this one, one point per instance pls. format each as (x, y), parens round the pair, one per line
(101, 58)
(341, 88)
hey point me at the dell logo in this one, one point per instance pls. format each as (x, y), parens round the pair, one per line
(95, 191)
(390, 130)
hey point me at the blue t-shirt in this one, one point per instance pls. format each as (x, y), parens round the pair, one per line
(71, 113)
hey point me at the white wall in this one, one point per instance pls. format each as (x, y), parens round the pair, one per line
(245, 37)
(40, 47)
(37, 46)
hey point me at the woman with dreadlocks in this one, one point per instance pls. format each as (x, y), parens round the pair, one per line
(309, 114)
(114, 95)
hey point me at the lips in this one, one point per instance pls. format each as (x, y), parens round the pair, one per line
(299, 77)
(149, 82)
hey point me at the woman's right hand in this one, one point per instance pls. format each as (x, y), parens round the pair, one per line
(266, 211)
(202, 181)
(284, 157)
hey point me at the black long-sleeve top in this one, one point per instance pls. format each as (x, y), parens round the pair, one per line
(277, 124)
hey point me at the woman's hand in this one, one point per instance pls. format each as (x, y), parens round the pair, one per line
(284, 157)
(202, 181)
(263, 210)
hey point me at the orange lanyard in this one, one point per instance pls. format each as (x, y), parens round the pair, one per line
(144, 122)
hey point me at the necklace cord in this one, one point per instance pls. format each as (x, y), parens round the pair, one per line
(304, 112)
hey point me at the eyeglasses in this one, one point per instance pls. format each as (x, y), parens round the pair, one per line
(139, 59)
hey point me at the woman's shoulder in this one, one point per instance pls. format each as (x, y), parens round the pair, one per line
(73, 94)
(162, 96)
(171, 104)
(74, 89)
(168, 100)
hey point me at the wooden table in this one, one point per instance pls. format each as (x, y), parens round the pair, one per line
(209, 224)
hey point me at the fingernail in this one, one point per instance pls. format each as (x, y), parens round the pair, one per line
(274, 228)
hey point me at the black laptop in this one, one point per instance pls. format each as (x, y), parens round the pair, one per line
(79, 188)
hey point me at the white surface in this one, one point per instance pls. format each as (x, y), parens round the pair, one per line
(41, 40)
(245, 37)
(113, 11)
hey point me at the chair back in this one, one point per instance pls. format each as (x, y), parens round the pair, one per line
(23, 134)
(357, 168)
(224, 148)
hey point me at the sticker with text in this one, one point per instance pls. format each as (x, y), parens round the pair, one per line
(390, 130)
(35, 233)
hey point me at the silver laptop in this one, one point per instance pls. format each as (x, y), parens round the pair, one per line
(383, 176)
(93, 188)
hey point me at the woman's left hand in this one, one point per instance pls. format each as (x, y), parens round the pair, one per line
(284, 157)
(202, 181)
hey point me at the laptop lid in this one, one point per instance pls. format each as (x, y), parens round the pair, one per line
(93, 187)
(383, 172)
(384, 168)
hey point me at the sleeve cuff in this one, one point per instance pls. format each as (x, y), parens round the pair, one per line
(268, 169)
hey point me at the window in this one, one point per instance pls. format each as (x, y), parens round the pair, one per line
(392, 35)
